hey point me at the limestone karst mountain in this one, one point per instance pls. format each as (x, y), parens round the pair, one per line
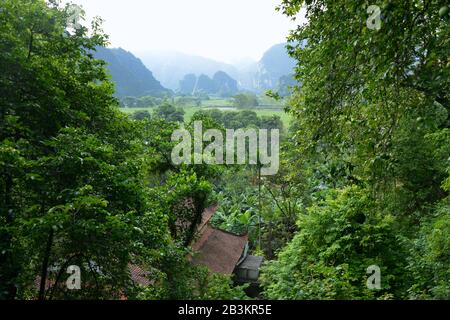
(131, 76)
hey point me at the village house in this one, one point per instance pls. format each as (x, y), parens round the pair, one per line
(220, 251)
(226, 253)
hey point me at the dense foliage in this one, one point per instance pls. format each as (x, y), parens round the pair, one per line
(241, 119)
(364, 173)
(76, 175)
(372, 130)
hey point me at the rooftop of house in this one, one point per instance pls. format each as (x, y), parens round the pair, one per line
(251, 262)
(218, 250)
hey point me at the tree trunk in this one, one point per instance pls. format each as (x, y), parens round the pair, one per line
(9, 271)
(45, 265)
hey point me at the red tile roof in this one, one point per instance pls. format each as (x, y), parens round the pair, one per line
(218, 250)
(139, 275)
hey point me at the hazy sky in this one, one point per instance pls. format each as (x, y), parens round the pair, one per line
(224, 30)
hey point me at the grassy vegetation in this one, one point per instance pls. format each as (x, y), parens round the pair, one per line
(264, 102)
(217, 103)
(268, 107)
(189, 112)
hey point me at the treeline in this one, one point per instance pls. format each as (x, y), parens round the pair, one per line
(241, 119)
(224, 119)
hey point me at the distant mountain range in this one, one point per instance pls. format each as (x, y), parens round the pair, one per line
(221, 84)
(257, 76)
(188, 74)
(171, 67)
(274, 66)
(129, 74)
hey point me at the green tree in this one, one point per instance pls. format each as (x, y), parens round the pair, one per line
(71, 177)
(245, 101)
(271, 122)
(372, 117)
(169, 113)
(338, 239)
(141, 115)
